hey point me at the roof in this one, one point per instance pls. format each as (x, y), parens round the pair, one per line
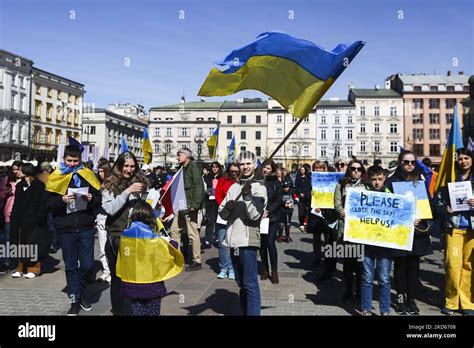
(16, 55)
(375, 93)
(57, 76)
(433, 79)
(245, 105)
(334, 103)
(190, 106)
(140, 121)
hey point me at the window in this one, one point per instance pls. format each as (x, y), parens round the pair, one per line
(337, 135)
(323, 134)
(417, 88)
(258, 119)
(434, 88)
(50, 92)
(306, 120)
(465, 89)
(349, 118)
(294, 150)
(393, 128)
(306, 132)
(377, 111)
(434, 150)
(258, 151)
(434, 133)
(417, 134)
(156, 147)
(243, 119)
(168, 147)
(418, 103)
(279, 118)
(229, 135)
(199, 148)
(229, 119)
(243, 148)
(349, 134)
(450, 88)
(157, 132)
(57, 136)
(168, 132)
(377, 128)
(336, 119)
(243, 135)
(199, 131)
(60, 95)
(183, 132)
(38, 108)
(323, 151)
(92, 130)
(323, 119)
(393, 146)
(38, 89)
(350, 151)
(362, 110)
(418, 149)
(258, 135)
(393, 111)
(362, 146)
(434, 104)
(450, 103)
(294, 119)
(362, 127)
(434, 118)
(377, 146)
(417, 118)
(211, 131)
(279, 133)
(449, 118)
(49, 111)
(337, 152)
(305, 150)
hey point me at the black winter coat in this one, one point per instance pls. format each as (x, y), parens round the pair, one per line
(28, 218)
(303, 185)
(274, 194)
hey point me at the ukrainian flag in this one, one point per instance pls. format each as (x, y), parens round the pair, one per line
(293, 71)
(232, 155)
(212, 144)
(447, 169)
(146, 147)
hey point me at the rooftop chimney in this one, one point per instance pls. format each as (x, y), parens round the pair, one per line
(449, 73)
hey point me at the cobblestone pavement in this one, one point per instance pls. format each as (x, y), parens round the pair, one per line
(201, 293)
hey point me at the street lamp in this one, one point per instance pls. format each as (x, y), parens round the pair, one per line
(199, 139)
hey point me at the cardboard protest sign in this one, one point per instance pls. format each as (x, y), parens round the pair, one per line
(418, 188)
(322, 192)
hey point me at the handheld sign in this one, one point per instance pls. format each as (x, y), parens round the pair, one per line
(418, 188)
(323, 186)
(380, 219)
(459, 194)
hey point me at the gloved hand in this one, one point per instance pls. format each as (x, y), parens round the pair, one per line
(247, 189)
(230, 205)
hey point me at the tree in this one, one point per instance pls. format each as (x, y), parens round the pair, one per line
(164, 150)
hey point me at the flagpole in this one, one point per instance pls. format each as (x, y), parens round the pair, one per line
(172, 179)
(286, 138)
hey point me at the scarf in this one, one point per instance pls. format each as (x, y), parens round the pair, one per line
(67, 170)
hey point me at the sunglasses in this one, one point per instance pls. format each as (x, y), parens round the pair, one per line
(356, 169)
(342, 165)
(407, 162)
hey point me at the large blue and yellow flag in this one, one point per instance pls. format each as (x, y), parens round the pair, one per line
(212, 144)
(146, 147)
(293, 71)
(448, 163)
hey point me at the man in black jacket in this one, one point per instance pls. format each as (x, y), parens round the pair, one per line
(74, 226)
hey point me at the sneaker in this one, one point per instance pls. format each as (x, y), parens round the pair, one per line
(447, 311)
(401, 308)
(17, 274)
(222, 275)
(86, 306)
(206, 245)
(74, 310)
(468, 312)
(302, 228)
(366, 313)
(193, 267)
(412, 308)
(3, 269)
(232, 275)
(29, 275)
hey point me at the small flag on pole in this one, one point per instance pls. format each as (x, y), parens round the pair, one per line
(146, 147)
(123, 145)
(212, 144)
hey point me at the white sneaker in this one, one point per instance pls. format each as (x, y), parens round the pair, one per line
(17, 274)
(108, 279)
(29, 275)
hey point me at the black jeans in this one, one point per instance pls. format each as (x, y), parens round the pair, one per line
(318, 228)
(268, 247)
(351, 266)
(120, 304)
(211, 211)
(303, 206)
(406, 275)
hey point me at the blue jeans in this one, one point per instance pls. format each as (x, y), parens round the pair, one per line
(245, 266)
(78, 256)
(383, 258)
(225, 263)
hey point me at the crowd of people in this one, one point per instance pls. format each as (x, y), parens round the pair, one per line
(67, 207)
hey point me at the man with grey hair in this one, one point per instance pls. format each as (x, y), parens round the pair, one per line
(243, 208)
(185, 222)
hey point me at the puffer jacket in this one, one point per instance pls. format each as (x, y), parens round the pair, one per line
(243, 222)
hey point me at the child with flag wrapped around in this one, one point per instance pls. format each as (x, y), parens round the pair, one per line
(144, 261)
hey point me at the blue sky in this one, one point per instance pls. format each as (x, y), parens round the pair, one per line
(169, 55)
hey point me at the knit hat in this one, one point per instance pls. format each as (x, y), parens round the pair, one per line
(187, 152)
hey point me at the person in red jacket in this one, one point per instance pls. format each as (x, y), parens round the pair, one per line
(225, 182)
